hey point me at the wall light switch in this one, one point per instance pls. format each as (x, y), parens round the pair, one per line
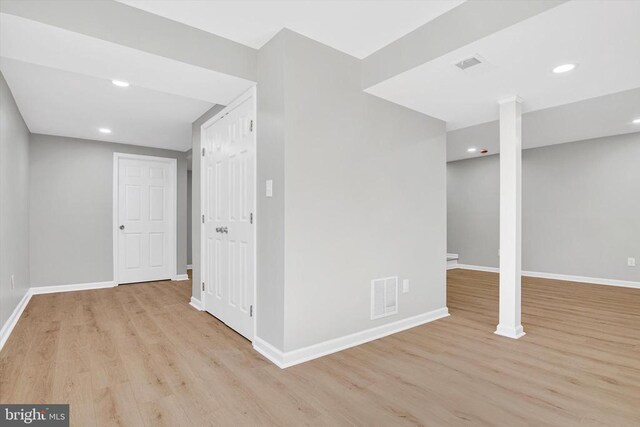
(631, 262)
(405, 286)
(269, 188)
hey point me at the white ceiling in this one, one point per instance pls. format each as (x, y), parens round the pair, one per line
(57, 102)
(600, 36)
(74, 72)
(358, 28)
(592, 118)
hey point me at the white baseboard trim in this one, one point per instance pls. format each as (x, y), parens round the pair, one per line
(180, 277)
(196, 303)
(189, 267)
(37, 290)
(478, 268)
(554, 276)
(295, 357)
(583, 279)
(12, 321)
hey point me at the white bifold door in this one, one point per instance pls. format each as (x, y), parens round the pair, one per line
(228, 195)
(146, 218)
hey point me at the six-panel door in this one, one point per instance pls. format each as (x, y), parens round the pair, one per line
(228, 205)
(145, 220)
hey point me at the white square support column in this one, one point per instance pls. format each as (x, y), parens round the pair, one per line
(510, 218)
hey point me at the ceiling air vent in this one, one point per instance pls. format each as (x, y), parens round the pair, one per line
(469, 62)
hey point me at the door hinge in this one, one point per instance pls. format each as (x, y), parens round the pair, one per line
(251, 218)
(250, 311)
(203, 151)
(203, 286)
(251, 126)
(203, 219)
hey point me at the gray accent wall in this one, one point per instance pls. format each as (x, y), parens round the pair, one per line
(580, 208)
(71, 213)
(14, 204)
(359, 194)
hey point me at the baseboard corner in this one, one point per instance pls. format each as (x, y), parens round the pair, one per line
(196, 303)
(285, 359)
(277, 357)
(180, 277)
(12, 321)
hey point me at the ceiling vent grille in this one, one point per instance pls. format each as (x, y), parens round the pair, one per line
(384, 297)
(469, 62)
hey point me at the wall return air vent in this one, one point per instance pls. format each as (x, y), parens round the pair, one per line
(384, 297)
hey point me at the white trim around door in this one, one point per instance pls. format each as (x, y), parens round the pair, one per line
(173, 209)
(251, 96)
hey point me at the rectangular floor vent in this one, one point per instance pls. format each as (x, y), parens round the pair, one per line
(384, 297)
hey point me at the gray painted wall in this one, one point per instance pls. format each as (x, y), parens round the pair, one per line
(14, 203)
(71, 197)
(270, 211)
(359, 188)
(580, 208)
(195, 203)
(189, 218)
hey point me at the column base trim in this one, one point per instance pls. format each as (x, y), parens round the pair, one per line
(510, 331)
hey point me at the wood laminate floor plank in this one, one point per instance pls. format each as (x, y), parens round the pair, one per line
(140, 355)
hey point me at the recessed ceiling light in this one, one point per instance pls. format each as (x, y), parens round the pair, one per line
(120, 83)
(564, 68)
(636, 121)
(472, 150)
(104, 130)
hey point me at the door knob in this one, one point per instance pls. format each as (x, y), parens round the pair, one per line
(217, 229)
(122, 227)
(224, 229)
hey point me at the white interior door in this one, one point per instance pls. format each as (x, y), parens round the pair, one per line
(146, 220)
(228, 205)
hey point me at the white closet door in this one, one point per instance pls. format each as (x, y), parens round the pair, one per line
(229, 194)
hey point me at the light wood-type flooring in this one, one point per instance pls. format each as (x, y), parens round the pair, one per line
(140, 355)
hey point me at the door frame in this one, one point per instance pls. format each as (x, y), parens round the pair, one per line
(173, 167)
(250, 93)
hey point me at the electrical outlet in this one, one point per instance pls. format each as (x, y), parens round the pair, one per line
(631, 262)
(13, 282)
(405, 286)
